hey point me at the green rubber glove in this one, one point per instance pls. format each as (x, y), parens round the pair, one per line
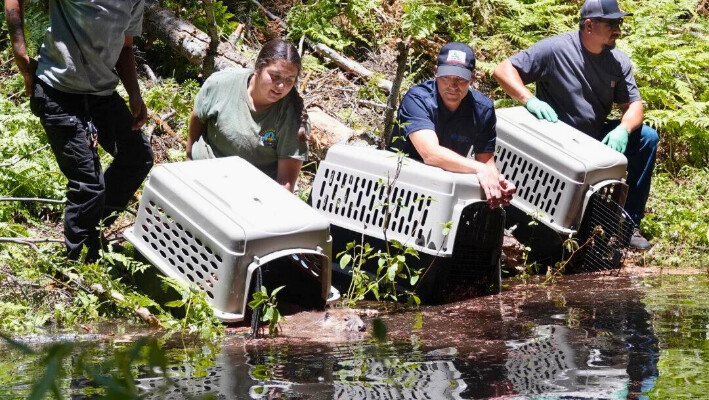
(541, 109)
(617, 139)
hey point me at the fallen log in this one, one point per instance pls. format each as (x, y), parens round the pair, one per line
(188, 41)
(352, 66)
(327, 130)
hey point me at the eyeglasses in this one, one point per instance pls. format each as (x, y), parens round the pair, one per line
(613, 23)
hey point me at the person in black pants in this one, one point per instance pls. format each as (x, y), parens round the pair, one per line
(87, 49)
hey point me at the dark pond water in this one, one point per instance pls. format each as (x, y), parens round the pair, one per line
(585, 337)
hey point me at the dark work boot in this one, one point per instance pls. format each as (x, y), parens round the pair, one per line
(638, 241)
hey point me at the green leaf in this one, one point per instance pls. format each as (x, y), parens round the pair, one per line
(275, 291)
(267, 315)
(391, 273)
(175, 303)
(413, 280)
(345, 260)
(254, 304)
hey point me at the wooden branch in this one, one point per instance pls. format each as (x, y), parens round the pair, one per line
(32, 199)
(236, 35)
(208, 63)
(96, 288)
(162, 121)
(269, 14)
(351, 66)
(372, 103)
(29, 241)
(150, 73)
(12, 163)
(393, 99)
(117, 297)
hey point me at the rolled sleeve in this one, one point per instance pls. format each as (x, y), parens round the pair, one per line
(203, 101)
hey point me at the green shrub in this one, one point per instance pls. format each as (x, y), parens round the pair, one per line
(679, 218)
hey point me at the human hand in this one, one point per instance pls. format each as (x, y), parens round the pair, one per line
(617, 139)
(541, 109)
(139, 110)
(27, 67)
(507, 189)
(490, 185)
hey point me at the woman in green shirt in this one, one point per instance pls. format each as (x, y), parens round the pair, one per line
(255, 114)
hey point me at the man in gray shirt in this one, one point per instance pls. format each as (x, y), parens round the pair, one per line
(87, 49)
(579, 76)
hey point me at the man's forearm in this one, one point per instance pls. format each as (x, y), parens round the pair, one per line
(126, 69)
(14, 15)
(449, 160)
(632, 116)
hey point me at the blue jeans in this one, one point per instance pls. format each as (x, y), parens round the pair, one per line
(92, 193)
(642, 146)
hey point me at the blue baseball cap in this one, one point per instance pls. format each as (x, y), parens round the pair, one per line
(456, 59)
(607, 9)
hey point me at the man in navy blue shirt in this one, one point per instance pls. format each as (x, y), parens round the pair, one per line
(443, 120)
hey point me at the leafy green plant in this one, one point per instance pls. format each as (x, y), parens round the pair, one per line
(391, 262)
(338, 24)
(667, 43)
(193, 10)
(112, 379)
(268, 304)
(678, 218)
(199, 316)
(424, 18)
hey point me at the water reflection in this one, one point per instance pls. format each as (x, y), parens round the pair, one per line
(679, 309)
(548, 364)
(586, 337)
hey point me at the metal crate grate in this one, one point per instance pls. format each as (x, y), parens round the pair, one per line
(477, 246)
(182, 250)
(360, 199)
(607, 228)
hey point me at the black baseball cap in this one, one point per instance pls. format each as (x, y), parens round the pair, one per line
(456, 59)
(607, 9)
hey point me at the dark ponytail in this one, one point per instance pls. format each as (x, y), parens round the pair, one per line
(279, 49)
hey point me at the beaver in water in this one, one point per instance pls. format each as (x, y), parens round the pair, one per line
(332, 323)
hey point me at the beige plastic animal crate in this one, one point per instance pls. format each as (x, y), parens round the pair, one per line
(353, 186)
(212, 223)
(569, 181)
